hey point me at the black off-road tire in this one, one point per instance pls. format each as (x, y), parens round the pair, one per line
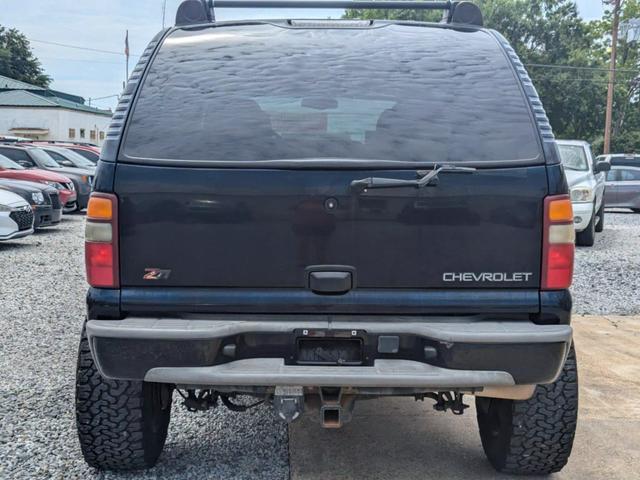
(587, 237)
(535, 436)
(121, 424)
(600, 215)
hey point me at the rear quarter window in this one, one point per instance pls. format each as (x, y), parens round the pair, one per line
(255, 93)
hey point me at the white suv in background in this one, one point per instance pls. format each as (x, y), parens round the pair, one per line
(586, 182)
(16, 216)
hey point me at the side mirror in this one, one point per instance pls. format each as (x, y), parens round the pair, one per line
(602, 166)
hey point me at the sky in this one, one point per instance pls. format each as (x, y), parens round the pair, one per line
(101, 25)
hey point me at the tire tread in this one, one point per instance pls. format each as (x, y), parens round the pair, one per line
(542, 428)
(110, 417)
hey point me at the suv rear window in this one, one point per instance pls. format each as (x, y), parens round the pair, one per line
(255, 93)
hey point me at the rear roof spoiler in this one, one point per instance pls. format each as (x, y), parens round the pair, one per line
(197, 12)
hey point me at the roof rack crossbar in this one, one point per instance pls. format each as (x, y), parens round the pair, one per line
(356, 4)
(192, 12)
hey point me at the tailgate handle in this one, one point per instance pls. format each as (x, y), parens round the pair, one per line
(330, 282)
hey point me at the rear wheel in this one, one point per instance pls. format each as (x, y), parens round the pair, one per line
(122, 425)
(532, 436)
(600, 215)
(587, 237)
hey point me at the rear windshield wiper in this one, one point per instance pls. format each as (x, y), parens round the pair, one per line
(426, 177)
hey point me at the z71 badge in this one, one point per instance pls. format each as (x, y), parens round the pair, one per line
(156, 274)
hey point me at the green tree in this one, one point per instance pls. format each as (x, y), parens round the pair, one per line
(566, 58)
(626, 105)
(17, 60)
(547, 34)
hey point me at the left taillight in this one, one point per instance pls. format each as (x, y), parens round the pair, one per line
(101, 241)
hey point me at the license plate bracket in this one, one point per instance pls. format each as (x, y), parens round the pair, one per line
(330, 347)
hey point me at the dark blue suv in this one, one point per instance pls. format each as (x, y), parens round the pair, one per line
(312, 212)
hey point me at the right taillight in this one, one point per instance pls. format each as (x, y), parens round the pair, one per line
(101, 241)
(558, 247)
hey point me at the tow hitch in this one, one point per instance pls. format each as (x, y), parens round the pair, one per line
(335, 408)
(333, 405)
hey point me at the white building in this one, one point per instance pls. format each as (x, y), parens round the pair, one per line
(43, 114)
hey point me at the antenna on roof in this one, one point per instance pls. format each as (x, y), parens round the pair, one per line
(194, 12)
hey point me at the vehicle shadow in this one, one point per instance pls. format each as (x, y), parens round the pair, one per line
(14, 244)
(620, 211)
(391, 439)
(48, 231)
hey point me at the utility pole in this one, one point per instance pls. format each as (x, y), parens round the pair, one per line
(126, 52)
(612, 76)
(164, 11)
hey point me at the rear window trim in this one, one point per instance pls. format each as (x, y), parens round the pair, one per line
(540, 139)
(323, 163)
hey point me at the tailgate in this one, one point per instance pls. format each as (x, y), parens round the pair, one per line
(264, 228)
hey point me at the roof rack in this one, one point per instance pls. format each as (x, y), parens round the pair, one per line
(197, 12)
(66, 142)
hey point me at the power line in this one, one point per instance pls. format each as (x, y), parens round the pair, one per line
(79, 60)
(597, 82)
(103, 98)
(573, 67)
(77, 47)
(602, 81)
(533, 65)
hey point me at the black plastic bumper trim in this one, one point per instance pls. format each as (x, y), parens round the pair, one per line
(132, 358)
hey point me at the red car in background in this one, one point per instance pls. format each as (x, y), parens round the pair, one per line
(64, 185)
(90, 152)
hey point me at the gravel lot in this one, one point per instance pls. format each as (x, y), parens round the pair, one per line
(40, 330)
(607, 275)
(38, 348)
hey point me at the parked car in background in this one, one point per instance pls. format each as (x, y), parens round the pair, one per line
(630, 159)
(623, 187)
(30, 156)
(587, 184)
(38, 196)
(16, 217)
(68, 158)
(52, 197)
(90, 153)
(66, 189)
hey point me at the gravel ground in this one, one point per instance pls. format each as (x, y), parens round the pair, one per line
(38, 348)
(38, 345)
(607, 275)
